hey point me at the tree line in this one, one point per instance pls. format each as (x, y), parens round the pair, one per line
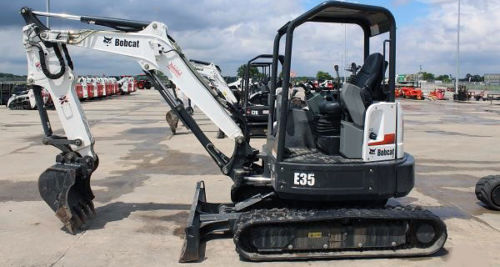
(11, 77)
(324, 75)
(427, 76)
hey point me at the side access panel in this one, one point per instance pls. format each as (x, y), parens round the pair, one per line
(345, 181)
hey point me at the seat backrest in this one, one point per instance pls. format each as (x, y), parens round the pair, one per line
(357, 95)
(371, 74)
(350, 97)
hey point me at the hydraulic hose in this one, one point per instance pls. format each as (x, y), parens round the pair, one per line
(62, 65)
(45, 70)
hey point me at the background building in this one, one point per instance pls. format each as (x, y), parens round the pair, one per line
(493, 79)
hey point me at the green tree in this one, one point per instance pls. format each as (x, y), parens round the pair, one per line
(254, 72)
(472, 78)
(303, 79)
(477, 78)
(444, 78)
(12, 77)
(323, 75)
(427, 76)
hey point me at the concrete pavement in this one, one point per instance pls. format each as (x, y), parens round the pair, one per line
(146, 178)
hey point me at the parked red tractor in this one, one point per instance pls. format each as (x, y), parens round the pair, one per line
(437, 94)
(143, 82)
(411, 92)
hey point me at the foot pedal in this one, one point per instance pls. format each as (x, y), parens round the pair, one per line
(66, 189)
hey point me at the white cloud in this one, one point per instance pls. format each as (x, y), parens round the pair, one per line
(12, 54)
(231, 32)
(431, 41)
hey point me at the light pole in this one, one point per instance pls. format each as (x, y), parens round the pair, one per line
(418, 76)
(48, 11)
(457, 75)
(345, 52)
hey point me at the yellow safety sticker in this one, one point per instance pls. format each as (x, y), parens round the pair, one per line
(314, 235)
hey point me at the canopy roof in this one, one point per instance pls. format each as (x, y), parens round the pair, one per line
(376, 20)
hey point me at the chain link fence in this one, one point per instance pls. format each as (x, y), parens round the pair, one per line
(6, 89)
(471, 86)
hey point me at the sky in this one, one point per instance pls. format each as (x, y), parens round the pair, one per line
(230, 32)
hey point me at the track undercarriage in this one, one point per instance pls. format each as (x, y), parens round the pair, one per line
(287, 233)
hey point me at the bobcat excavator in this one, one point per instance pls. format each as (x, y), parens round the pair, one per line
(213, 76)
(212, 73)
(317, 189)
(255, 94)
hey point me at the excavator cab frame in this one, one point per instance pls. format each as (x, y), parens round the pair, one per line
(363, 180)
(256, 114)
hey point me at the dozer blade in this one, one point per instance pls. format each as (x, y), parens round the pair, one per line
(66, 189)
(204, 220)
(192, 250)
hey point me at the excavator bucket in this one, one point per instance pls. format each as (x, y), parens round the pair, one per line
(172, 120)
(66, 189)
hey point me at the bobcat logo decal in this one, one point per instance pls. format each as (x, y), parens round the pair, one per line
(63, 99)
(107, 40)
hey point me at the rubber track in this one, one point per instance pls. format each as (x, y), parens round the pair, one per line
(18, 106)
(265, 217)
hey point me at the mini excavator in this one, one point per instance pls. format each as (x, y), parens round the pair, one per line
(256, 94)
(220, 90)
(319, 186)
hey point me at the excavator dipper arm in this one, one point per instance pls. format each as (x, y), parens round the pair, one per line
(66, 185)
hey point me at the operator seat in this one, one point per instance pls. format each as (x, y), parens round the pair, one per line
(358, 95)
(355, 98)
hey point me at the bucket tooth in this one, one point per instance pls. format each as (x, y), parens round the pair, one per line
(86, 209)
(80, 214)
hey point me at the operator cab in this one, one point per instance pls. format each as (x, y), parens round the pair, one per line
(258, 91)
(255, 102)
(349, 140)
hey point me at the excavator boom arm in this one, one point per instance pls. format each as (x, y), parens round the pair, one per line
(65, 186)
(151, 47)
(213, 74)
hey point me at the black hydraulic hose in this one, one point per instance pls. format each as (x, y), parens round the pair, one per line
(67, 56)
(37, 92)
(44, 64)
(179, 110)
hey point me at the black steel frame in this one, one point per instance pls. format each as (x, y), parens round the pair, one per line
(310, 16)
(251, 62)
